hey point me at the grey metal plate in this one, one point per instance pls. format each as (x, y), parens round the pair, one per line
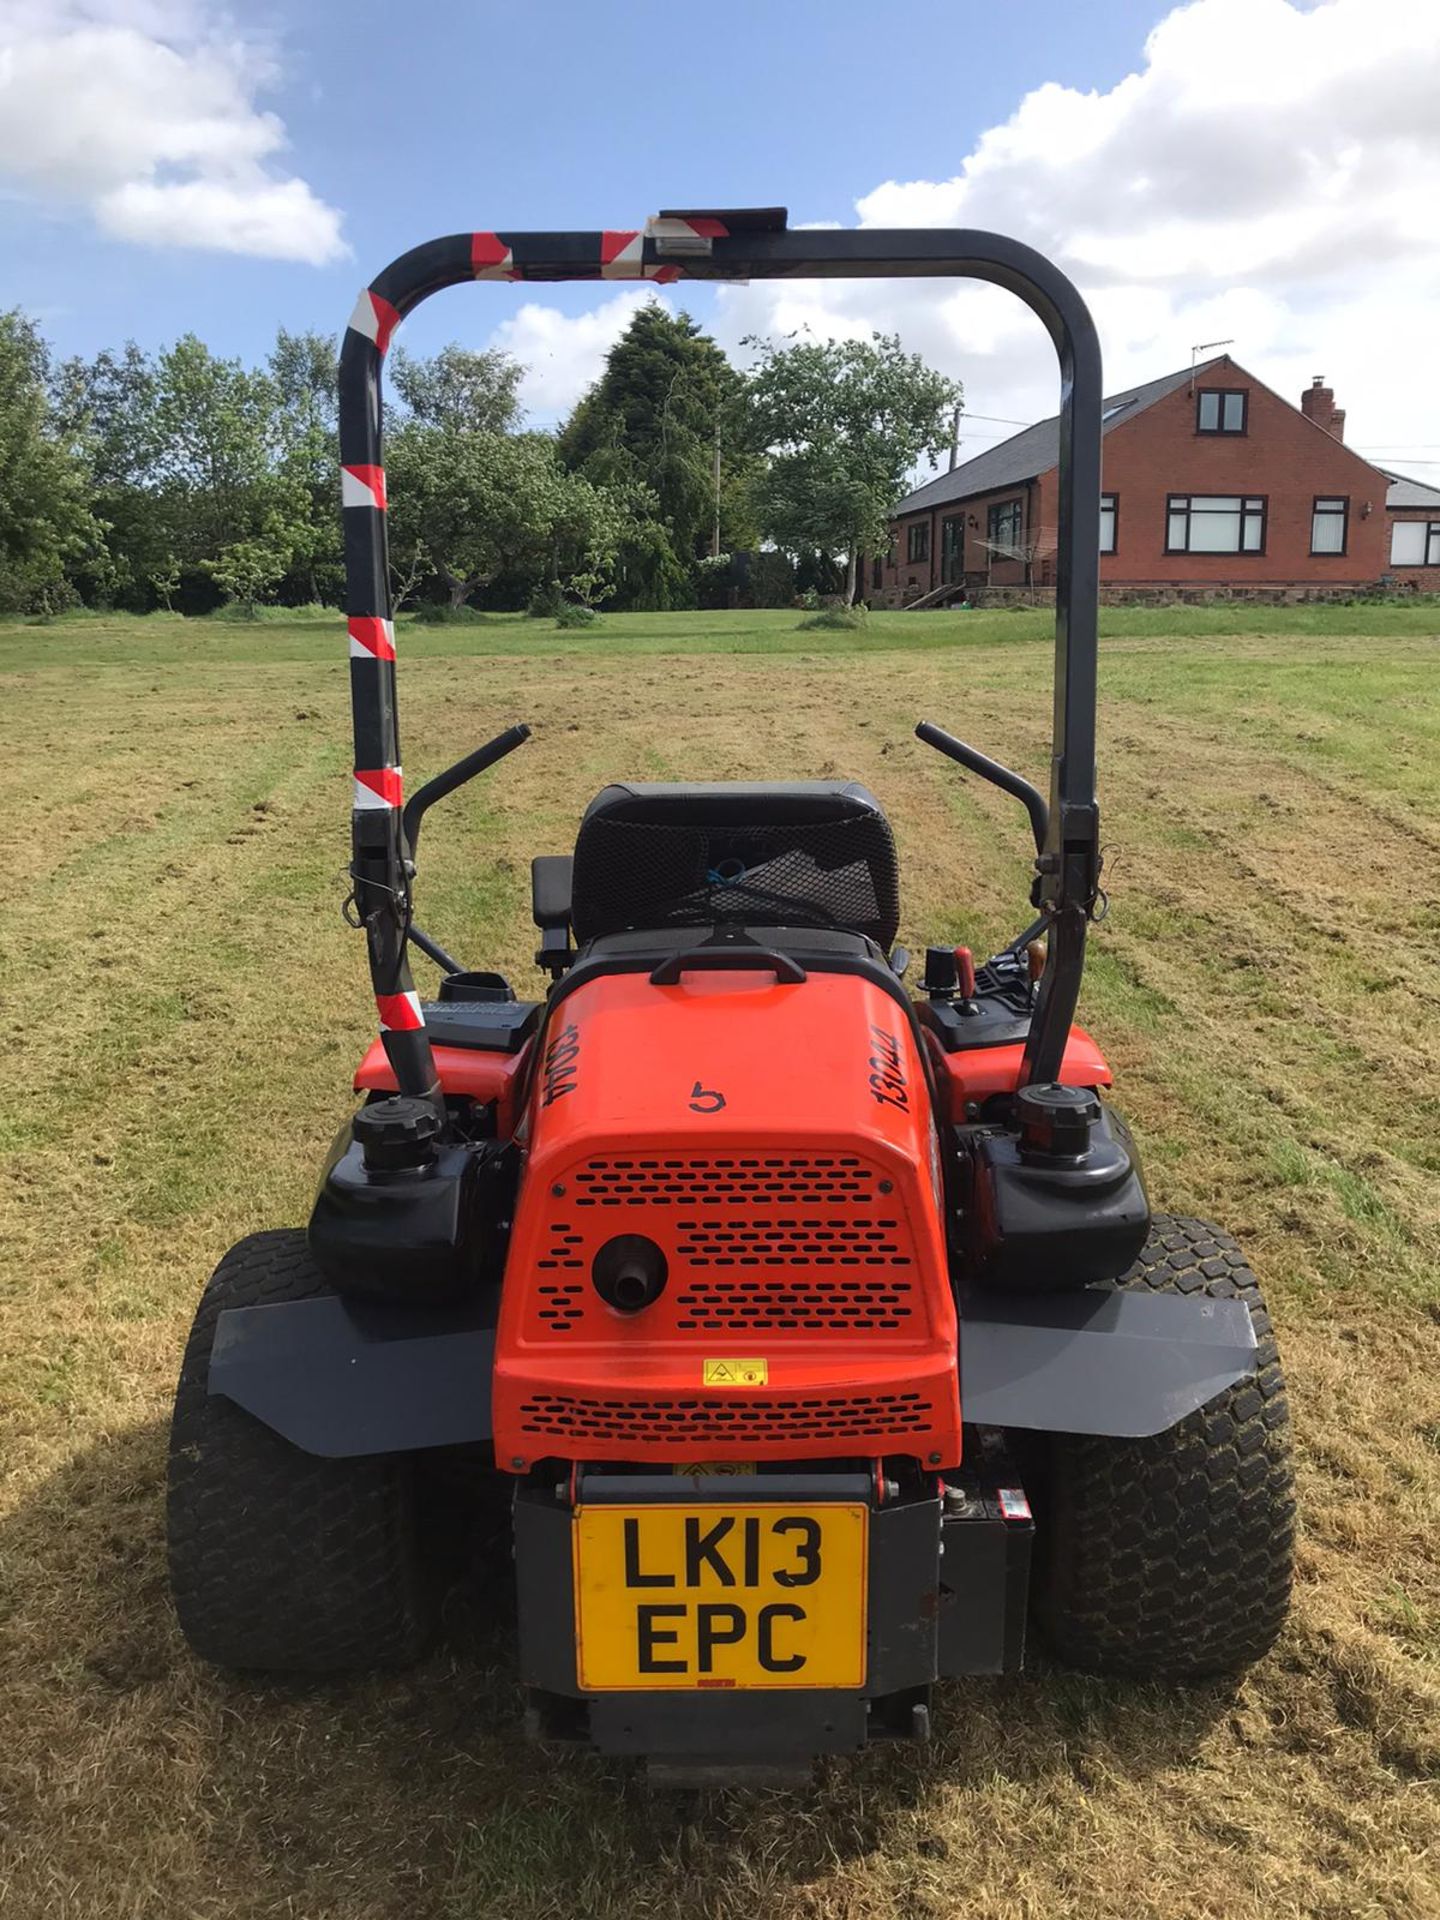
(1122, 1363)
(341, 1378)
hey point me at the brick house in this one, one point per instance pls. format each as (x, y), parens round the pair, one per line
(1211, 481)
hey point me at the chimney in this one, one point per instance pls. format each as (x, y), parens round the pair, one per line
(1317, 403)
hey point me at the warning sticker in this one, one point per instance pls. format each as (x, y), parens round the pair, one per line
(727, 1467)
(734, 1373)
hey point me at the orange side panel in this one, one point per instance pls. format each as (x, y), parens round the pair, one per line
(983, 1071)
(464, 1071)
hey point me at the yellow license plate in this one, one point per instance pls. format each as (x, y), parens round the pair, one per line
(748, 1595)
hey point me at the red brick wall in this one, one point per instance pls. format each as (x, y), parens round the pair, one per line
(1281, 455)
(1412, 579)
(903, 581)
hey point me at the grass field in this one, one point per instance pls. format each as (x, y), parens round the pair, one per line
(183, 1008)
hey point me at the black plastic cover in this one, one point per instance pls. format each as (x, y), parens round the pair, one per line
(489, 1026)
(983, 1022)
(417, 1234)
(1036, 1223)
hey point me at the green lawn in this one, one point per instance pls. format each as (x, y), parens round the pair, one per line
(184, 1008)
(90, 640)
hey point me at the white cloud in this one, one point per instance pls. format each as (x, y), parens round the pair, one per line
(564, 353)
(144, 112)
(1269, 172)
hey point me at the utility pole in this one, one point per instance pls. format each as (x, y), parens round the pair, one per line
(955, 438)
(715, 530)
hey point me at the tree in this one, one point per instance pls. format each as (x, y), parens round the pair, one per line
(845, 422)
(249, 569)
(472, 507)
(303, 370)
(460, 389)
(215, 437)
(187, 455)
(108, 405)
(667, 398)
(47, 528)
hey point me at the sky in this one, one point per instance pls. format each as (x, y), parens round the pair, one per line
(1264, 172)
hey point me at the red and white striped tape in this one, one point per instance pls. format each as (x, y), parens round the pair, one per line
(490, 258)
(378, 787)
(371, 638)
(622, 257)
(375, 318)
(399, 1012)
(362, 487)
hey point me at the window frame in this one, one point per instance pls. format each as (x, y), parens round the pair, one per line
(1222, 394)
(1242, 552)
(1015, 507)
(1114, 500)
(1334, 553)
(1432, 542)
(918, 534)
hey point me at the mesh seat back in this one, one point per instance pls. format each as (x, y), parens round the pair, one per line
(797, 853)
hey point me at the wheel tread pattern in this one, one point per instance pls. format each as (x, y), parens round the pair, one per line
(1170, 1557)
(281, 1560)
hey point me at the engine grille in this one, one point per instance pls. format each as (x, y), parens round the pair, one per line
(799, 1180)
(790, 1243)
(560, 1304)
(865, 1306)
(563, 1418)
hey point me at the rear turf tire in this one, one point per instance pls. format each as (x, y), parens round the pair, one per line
(1170, 1558)
(278, 1559)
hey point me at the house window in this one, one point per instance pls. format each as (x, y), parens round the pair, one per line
(1221, 410)
(877, 573)
(919, 547)
(1215, 523)
(1109, 520)
(1415, 543)
(1329, 525)
(1005, 524)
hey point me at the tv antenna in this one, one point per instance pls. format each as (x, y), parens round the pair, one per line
(1205, 346)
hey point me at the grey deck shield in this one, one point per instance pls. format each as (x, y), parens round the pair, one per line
(341, 1378)
(1121, 1363)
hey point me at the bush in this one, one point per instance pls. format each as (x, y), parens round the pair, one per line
(546, 602)
(573, 613)
(836, 618)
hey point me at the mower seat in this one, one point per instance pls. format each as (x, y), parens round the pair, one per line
(783, 853)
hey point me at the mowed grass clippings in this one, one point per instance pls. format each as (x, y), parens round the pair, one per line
(183, 1008)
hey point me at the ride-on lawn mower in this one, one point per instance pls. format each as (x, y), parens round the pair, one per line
(823, 1333)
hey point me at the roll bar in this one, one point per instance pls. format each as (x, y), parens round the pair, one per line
(746, 244)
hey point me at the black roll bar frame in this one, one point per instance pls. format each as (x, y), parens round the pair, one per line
(718, 247)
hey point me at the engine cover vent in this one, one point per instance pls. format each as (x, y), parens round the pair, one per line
(790, 1242)
(798, 1306)
(794, 1180)
(563, 1419)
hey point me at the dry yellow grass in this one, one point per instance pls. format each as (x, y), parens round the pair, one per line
(182, 1007)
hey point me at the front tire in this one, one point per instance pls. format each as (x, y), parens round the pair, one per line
(1171, 1557)
(281, 1560)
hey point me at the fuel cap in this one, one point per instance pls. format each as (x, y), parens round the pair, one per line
(1056, 1120)
(397, 1133)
